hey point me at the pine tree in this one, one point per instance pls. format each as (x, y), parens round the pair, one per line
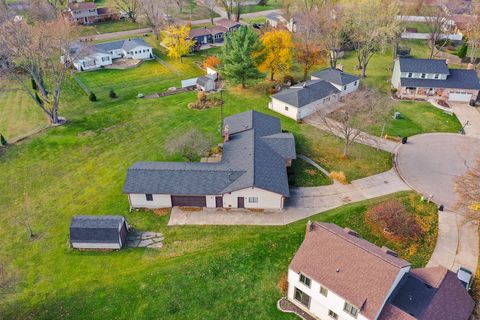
(462, 52)
(3, 141)
(92, 97)
(239, 57)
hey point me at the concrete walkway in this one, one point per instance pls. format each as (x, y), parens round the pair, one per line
(302, 203)
(316, 165)
(364, 138)
(119, 34)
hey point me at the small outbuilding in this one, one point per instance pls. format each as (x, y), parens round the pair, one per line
(98, 232)
(205, 83)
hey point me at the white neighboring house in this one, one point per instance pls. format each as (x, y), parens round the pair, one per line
(102, 54)
(251, 174)
(335, 274)
(318, 94)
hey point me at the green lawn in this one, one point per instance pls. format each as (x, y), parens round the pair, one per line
(109, 26)
(193, 11)
(418, 117)
(420, 26)
(306, 175)
(271, 4)
(18, 113)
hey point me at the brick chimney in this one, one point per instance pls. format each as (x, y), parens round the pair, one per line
(470, 66)
(340, 67)
(447, 61)
(389, 251)
(226, 133)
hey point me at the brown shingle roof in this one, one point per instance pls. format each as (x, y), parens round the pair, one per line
(451, 301)
(390, 312)
(226, 23)
(366, 272)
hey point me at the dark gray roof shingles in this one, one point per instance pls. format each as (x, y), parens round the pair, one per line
(439, 66)
(458, 79)
(250, 159)
(95, 229)
(300, 95)
(335, 76)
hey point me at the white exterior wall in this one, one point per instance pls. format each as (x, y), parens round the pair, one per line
(266, 199)
(211, 202)
(319, 304)
(140, 55)
(427, 75)
(396, 75)
(159, 201)
(86, 63)
(348, 88)
(84, 245)
(279, 106)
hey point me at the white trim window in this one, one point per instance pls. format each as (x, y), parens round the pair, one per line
(302, 297)
(305, 280)
(332, 314)
(252, 199)
(323, 291)
(350, 309)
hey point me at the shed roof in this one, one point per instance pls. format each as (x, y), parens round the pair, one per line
(357, 270)
(99, 221)
(458, 79)
(305, 93)
(204, 80)
(335, 76)
(439, 66)
(251, 158)
(96, 229)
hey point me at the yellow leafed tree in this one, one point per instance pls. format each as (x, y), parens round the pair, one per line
(277, 52)
(177, 41)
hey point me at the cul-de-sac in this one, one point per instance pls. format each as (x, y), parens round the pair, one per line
(240, 159)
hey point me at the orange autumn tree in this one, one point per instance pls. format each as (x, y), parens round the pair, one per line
(211, 61)
(277, 51)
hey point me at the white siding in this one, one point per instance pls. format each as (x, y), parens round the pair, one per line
(396, 75)
(93, 61)
(159, 201)
(211, 202)
(319, 304)
(84, 245)
(140, 53)
(284, 108)
(266, 199)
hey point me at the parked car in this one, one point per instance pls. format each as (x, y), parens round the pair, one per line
(466, 277)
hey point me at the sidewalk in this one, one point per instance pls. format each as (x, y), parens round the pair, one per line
(303, 203)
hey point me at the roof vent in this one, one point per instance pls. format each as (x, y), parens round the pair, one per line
(338, 270)
(389, 252)
(351, 232)
(447, 61)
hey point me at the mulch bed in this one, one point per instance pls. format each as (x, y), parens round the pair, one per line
(286, 306)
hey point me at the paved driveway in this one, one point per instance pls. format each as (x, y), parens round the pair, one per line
(465, 113)
(429, 162)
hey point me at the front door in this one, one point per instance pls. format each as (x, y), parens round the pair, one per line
(240, 202)
(219, 202)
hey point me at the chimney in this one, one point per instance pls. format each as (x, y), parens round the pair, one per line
(351, 232)
(304, 84)
(340, 67)
(389, 251)
(226, 134)
(447, 61)
(309, 225)
(470, 66)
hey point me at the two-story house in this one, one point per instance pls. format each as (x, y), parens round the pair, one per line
(430, 78)
(337, 275)
(318, 94)
(83, 12)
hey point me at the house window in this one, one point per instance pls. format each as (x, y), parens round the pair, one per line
(348, 308)
(332, 314)
(344, 87)
(437, 76)
(410, 74)
(323, 291)
(286, 108)
(355, 84)
(302, 297)
(105, 58)
(306, 281)
(423, 75)
(149, 197)
(253, 199)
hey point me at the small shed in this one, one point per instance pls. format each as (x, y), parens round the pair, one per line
(205, 83)
(98, 232)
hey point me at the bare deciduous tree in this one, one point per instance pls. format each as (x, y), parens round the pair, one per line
(229, 6)
(190, 145)
(467, 187)
(437, 19)
(357, 112)
(35, 49)
(155, 13)
(472, 33)
(130, 7)
(211, 4)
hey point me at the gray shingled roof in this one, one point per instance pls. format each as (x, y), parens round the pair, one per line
(95, 229)
(254, 156)
(127, 45)
(300, 95)
(335, 76)
(439, 66)
(203, 80)
(458, 79)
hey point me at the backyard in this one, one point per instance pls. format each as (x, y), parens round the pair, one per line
(80, 168)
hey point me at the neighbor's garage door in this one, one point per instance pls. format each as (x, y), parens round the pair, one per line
(456, 96)
(189, 201)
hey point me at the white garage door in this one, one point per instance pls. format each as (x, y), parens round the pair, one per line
(455, 96)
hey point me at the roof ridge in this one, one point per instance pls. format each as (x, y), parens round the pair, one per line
(359, 246)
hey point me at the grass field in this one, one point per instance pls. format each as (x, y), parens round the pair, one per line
(193, 11)
(109, 26)
(307, 175)
(271, 4)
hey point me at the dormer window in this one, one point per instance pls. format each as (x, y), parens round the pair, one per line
(437, 76)
(305, 280)
(423, 75)
(410, 74)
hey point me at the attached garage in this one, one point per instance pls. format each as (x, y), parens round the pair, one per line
(459, 96)
(189, 201)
